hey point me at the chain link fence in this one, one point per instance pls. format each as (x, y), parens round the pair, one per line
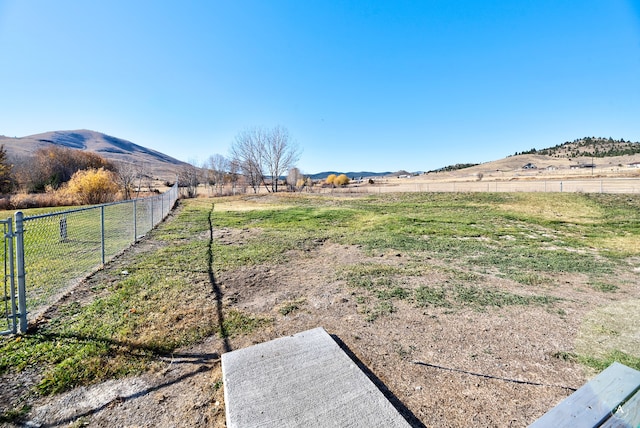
(57, 250)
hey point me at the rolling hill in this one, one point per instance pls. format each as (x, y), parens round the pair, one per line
(164, 167)
(161, 166)
(598, 147)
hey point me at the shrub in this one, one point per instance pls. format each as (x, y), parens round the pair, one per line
(331, 179)
(55, 166)
(5, 203)
(341, 180)
(40, 200)
(93, 186)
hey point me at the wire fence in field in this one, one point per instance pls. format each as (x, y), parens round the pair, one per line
(605, 185)
(59, 249)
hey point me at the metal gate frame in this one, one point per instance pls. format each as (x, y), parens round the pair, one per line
(10, 299)
(14, 298)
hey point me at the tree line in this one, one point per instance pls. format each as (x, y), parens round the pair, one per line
(258, 158)
(598, 147)
(56, 176)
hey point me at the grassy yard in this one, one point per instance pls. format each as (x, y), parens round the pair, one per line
(57, 256)
(162, 300)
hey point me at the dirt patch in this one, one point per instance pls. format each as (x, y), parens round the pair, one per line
(450, 366)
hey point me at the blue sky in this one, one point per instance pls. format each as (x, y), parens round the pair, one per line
(361, 85)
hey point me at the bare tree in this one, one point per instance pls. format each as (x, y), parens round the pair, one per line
(219, 165)
(188, 180)
(26, 175)
(53, 166)
(234, 175)
(257, 150)
(143, 176)
(127, 173)
(294, 178)
(247, 152)
(207, 176)
(281, 153)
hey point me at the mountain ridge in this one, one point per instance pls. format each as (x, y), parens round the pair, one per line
(166, 168)
(116, 149)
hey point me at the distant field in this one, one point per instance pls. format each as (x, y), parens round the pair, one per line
(551, 185)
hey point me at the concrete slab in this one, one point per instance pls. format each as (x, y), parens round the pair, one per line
(304, 380)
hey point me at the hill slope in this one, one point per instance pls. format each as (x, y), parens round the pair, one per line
(590, 146)
(114, 149)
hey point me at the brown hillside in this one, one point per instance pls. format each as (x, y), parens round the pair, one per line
(161, 166)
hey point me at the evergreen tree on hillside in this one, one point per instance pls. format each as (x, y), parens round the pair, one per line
(590, 146)
(6, 177)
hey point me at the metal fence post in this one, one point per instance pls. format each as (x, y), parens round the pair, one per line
(22, 295)
(135, 220)
(102, 232)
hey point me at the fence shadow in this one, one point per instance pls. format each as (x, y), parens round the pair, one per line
(122, 399)
(215, 287)
(395, 401)
(132, 349)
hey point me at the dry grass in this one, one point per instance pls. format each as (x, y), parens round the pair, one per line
(614, 327)
(576, 210)
(455, 301)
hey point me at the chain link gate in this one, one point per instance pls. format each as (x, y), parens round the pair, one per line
(9, 323)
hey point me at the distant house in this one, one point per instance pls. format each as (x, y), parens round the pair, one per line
(634, 165)
(583, 165)
(529, 166)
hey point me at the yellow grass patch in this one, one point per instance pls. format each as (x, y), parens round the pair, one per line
(241, 204)
(247, 206)
(610, 328)
(553, 207)
(626, 245)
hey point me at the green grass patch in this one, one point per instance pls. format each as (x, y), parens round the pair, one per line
(601, 363)
(391, 293)
(431, 296)
(529, 278)
(379, 309)
(603, 286)
(237, 323)
(479, 298)
(15, 415)
(290, 307)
